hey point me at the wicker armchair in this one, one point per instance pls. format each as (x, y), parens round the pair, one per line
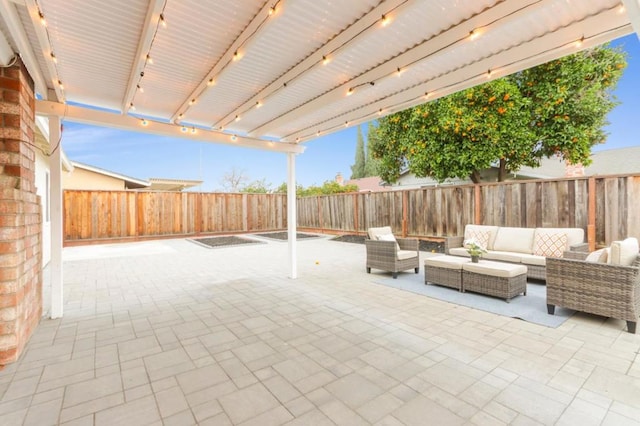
(384, 255)
(596, 288)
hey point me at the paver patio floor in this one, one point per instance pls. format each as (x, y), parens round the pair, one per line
(169, 332)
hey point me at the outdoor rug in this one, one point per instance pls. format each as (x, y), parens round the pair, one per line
(283, 236)
(214, 242)
(531, 308)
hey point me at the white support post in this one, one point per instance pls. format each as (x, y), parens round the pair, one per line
(291, 215)
(55, 164)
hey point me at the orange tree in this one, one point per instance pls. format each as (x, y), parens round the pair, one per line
(558, 108)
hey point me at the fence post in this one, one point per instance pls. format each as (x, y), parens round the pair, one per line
(356, 225)
(405, 213)
(245, 213)
(478, 206)
(591, 223)
(320, 222)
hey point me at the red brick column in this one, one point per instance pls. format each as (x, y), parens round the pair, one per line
(20, 217)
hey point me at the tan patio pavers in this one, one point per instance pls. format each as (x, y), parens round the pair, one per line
(169, 332)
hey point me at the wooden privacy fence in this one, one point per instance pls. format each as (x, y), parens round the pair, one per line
(102, 215)
(606, 207)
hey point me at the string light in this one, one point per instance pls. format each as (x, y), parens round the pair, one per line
(384, 20)
(258, 104)
(61, 85)
(53, 58)
(163, 21)
(474, 34)
(399, 71)
(346, 124)
(149, 60)
(144, 122)
(350, 91)
(621, 9)
(183, 129)
(234, 138)
(192, 101)
(325, 60)
(140, 89)
(488, 73)
(131, 106)
(237, 118)
(380, 111)
(318, 133)
(181, 116)
(211, 82)
(297, 140)
(426, 95)
(42, 20)
(193, 130)
(236, 55)
(579, 42)
(272, 10)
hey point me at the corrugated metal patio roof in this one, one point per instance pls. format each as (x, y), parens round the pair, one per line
(272, 74)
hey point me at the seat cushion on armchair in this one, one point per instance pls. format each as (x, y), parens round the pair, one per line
(375, 233)
(406, 254)
(623, 252)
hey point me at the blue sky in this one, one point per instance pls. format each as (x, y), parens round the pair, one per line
(143, 156)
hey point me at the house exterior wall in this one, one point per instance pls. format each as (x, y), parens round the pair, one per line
(43, 185)
(87, 180)
(20, 224)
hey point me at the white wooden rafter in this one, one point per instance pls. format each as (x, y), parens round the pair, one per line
(241, 42)
(441, 43)
(632, 8)
(144, 45)
(342, 41)
(504, 63)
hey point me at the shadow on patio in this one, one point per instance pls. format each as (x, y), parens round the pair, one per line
(170, 332)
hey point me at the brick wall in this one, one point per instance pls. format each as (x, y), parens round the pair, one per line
(20, 216)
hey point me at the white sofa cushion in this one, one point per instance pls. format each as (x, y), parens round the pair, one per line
(518, 240)
(484, 235)
(623, 252)
(374, 233)
(503, 256)
(446, 262)
(550, 244)
(532, 259)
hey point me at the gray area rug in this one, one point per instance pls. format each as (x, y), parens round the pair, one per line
(530, 308)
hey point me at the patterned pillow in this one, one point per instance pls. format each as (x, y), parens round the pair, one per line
(550, 245)
(480, 237)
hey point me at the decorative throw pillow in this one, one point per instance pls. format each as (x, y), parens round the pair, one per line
(550, 245)
(598, 256)
(480, 237)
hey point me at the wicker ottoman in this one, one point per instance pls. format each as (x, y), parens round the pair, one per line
(504, 280)
(444, 270)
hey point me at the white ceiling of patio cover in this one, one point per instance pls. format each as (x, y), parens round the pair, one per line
(96, 44)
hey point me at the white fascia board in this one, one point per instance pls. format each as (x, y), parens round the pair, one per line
(94, 117)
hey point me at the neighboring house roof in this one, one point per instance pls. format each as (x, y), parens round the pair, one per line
(605, 162)
(368, 184)
(130, 182)
(162, 184)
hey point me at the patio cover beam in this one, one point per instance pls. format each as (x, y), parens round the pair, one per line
(125, 122)
(633, 12)
(55, 169)
(292, 219)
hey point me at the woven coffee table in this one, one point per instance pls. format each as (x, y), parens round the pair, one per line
(504, 280)
(444, 270)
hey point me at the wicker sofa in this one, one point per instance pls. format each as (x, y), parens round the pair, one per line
(608, 289)
(388, 253)
(527, 246)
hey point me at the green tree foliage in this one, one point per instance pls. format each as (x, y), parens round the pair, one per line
(557, 108)
(371, 164)
(260, 186)
(358, 168)
(328, 188)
